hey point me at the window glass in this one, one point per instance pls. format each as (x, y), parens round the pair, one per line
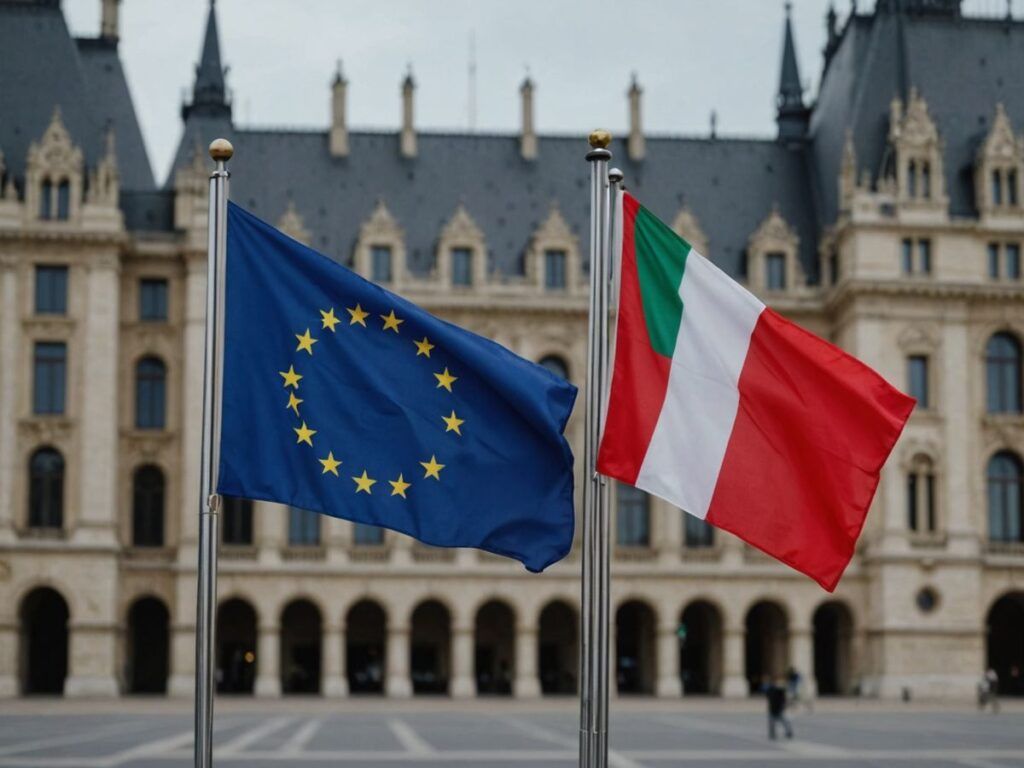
(997, 188)
(775, 266)
(367, 535)
(237, 521)
(152, 300)
(1011, 187)
(556, 365)
(148, 507)
(49, 373)
(912, 179)
(380, 263)
(46, 489)
(924, 249)
(462, 266)
(633, 519)
(697, 533)
(150, 393)
(1004, 498)
(554, 270)
(51, 290)
(1002, 374)
(303, 527)
(63, 201)
(908, 256)
(917, 375)
(993, 260)
(46, 200)
(926, 180)
(1013, 261)
(912, 501)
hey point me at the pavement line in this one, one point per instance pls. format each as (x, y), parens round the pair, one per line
(409, 739)
(301, 737)
(94, 735)
(162, 747)
(540, 733)
(249, 738)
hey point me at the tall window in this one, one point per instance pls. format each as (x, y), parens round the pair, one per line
(993, 260)
(633, 521)
(1011, 187)
(917, 379)
(912, 178)
(46, 489)
(303, 527)
(152, 300)
(922, 264)
(554, 270)
(775, 271)
(697, 533)
(462, 266)
(48, 377)
(926, 180)
(51, 290)
(367, 535)
(1005, 511)
(921, 496)
(997, 187)
(1002, 373)
(556, 365)
(907, 254)
(148, 507)
(924, 254)
(1013, 261)
(150, 393)
(63, 200)
(380, 263)
(46, 200)
(236, 528)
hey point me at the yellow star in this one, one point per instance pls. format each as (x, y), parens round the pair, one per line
(306, 342)
(291, 378)
(330, 464)
(445, 380)
(364, 483)
(453, 423)
(358, 314)
(390, 321)
(305, 434)
(432, 467)
(423, 347)
(293, 402)
(328, 319)
(399, 486)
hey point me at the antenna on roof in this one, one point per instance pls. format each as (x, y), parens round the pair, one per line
(471, 101)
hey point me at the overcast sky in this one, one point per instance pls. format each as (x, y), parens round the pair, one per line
(691, 56)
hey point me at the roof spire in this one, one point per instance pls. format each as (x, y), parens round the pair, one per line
(209, 94)
(792, 116)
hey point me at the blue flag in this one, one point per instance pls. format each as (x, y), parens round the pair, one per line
(343, 398)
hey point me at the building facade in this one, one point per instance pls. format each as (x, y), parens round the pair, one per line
(887, 216)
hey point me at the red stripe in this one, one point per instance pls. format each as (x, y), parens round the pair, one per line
(640, 376)
(813, 429)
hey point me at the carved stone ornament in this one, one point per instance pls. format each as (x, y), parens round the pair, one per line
(686, 225)
(291, 224)
(55, 154)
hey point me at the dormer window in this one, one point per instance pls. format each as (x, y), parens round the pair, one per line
(773, 262)
(63, 201)
(775, 271)
(462, 267)
(997, 168)
(380, 250)
(461, 259)
(554, 270)
(54, 174)
(917, 153)
(380, 260)
(553, 259)
(46, 200)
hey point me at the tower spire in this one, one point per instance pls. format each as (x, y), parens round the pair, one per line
(792, 116)
(209, 93)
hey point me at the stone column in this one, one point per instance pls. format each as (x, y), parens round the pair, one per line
(527, 682)
(801, 656)
(463, 683)
(667, 530)
(335, 684)
(669, 683)
(91, 664)
(183, 660)
(8, 658)
(734, 684)
(8, 389)
(192, 397)
(396, 676)
(98, 413)
(268, 661)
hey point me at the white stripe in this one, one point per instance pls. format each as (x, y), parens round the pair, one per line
(690, 438)
(409, 739)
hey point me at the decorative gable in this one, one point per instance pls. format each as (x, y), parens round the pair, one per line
(291, 224)
(553, 258)
(381, 239)
(915, 174)
(998, 168)
(54, 174)
(773, 263)
(688, 227)
(459, 235)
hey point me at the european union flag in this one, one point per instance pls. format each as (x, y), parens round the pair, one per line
(343, 398)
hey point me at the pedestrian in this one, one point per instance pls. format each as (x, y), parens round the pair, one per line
(776, 694)
(795, 689)
(988, 691)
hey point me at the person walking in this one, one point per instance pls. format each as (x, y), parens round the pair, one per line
(776, 695)
(796, 690)
(988, 691)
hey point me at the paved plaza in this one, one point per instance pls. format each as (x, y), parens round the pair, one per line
(154, 734)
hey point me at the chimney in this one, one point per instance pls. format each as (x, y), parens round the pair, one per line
(108, 20)
(339, 126)
(528, 138)
(635, 145)
(407, 144)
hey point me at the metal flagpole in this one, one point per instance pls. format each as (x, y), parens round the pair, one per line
(594, 585)
(209, 502)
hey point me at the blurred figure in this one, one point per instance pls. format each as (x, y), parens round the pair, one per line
(776, 695)
(795, 688)
(988, 691)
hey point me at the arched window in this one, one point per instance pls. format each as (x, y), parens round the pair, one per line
(64, 200)
(633, 524)
(148, 507)
(921, 516)
(46, 489)
(1002, 373)
(1005, 511)
(556, 365)
(150, 393)
(912, 179)
(46, 200)
(926, 180)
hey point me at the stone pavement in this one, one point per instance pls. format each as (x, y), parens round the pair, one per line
(139, 733)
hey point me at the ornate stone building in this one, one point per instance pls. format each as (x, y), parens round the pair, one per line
(886, 216)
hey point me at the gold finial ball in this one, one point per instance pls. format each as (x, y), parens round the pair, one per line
(600, 139)
(221, 149)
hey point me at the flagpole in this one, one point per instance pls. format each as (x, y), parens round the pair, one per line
(209, 502)
(595, 543)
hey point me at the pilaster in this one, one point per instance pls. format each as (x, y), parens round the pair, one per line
(334, 684)
(527, 683)
(669, 683)
(463, 684)
(8, 393)
(91, 661)
(183, 661)
(734, 684)
(193, 340)
(397, 684)
(8, 660)
(268, 661)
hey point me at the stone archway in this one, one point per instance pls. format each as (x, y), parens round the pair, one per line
(365, 646)
(236, 647)
(635, 639)
(833, 649)
(147, 648)
(44, 642)
(1005, 642)
(495, 651)
(558, 648)
(767, 644)
(430, 649)
(301, 641)
(700, 649)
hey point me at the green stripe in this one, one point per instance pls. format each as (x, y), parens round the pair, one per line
(661, 260)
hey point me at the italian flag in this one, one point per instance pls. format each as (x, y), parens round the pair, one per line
(736, 415)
